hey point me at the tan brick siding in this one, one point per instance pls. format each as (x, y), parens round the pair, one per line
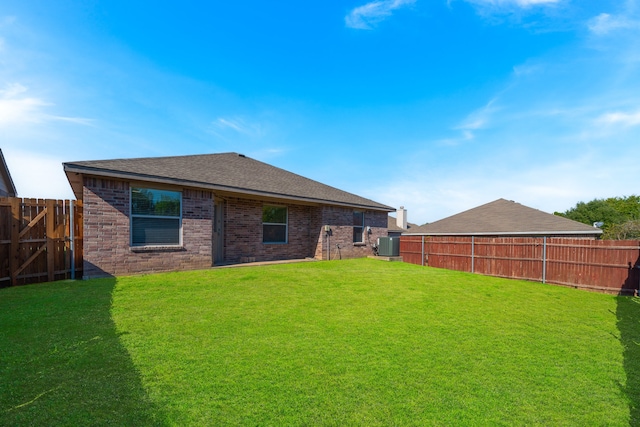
(106, 233)
(340, 239)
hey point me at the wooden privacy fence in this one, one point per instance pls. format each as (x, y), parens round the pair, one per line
(611, 266)
(40, 240)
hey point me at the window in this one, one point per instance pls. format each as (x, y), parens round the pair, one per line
(274, 224)
(155, 217)
(358, 227)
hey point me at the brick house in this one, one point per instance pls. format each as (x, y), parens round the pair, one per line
(189, 212)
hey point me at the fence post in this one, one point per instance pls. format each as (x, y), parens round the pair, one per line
(422, 251)
(50, 218)
(544, 259)
(472, 254)
(14, 252)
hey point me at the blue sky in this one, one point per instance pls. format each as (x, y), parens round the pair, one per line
(436, 105)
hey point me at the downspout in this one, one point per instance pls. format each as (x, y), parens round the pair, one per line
(328, 243)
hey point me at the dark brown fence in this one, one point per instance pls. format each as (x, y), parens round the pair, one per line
(40, 240)
(611, 266)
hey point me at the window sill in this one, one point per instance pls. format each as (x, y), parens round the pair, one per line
(156, 248)
(275, 243)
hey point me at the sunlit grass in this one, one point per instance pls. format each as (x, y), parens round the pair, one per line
(356, 342)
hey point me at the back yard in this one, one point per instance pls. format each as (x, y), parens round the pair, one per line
(355, 342)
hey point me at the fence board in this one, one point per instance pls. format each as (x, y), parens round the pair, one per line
(35, 244)
(411, 248)
(603, 265)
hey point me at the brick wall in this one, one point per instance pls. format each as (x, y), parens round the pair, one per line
(340, 238)
(106, 233)
(306, 238)
(243, 232)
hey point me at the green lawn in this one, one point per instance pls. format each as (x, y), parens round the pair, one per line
(355, 342)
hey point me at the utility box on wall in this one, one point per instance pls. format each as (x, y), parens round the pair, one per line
(389, 246)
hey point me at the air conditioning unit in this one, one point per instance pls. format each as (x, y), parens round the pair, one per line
(388, 246)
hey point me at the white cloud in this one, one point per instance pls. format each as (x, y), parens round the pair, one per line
(516, 8)
(12, 90)
(473, 123)
(77, 120)
(465, 136)
(479, 119)
(620, 118)
(519, 3)
(606, 23)
(366, 16)
(16, 108)
(239, 125)
(526, 69)
(223, 123)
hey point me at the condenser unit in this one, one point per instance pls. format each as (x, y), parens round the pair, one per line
(389, 246)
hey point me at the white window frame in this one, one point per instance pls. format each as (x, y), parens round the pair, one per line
(132, 216)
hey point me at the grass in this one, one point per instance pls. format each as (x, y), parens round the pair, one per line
(355, 342)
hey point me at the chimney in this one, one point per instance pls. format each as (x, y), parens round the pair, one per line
(401, 218)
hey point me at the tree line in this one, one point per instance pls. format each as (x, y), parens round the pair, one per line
(618, 217)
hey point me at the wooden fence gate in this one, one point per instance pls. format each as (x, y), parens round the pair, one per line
(40, 240)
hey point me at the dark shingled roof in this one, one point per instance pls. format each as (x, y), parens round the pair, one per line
(225, 172)
(504, 217)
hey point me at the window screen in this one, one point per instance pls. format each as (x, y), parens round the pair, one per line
(358, 226)
(274, 224)
(155, 217)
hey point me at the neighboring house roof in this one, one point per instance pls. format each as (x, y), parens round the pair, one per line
(504, 217)
(7, 189)
(393, 226)
(226, 172)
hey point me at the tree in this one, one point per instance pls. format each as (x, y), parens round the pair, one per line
(620, 216)
(598, 210)
(628, 206)
(626, 231)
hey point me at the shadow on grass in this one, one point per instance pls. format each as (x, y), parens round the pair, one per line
(628, 314)
(62, 362)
